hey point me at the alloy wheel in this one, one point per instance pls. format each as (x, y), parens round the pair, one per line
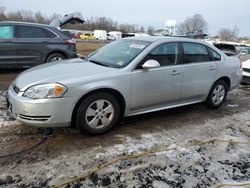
(218, 94)
(99, 114)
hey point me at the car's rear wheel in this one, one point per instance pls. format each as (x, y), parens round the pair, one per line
(55, 57)
(98, 113)
(217, 94)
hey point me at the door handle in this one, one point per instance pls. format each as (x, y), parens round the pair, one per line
(212, 68)
(175, 72)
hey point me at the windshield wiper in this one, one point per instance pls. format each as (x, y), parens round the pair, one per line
(98, 63)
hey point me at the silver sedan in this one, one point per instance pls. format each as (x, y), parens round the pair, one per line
(124, 78)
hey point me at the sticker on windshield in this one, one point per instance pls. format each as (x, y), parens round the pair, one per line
(120, 63)
(138, 46)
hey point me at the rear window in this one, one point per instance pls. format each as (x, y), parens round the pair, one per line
(33, 32)
(215, 56)
(6, 32)
(195, 53)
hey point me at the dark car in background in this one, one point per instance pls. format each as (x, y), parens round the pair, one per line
(28, 44)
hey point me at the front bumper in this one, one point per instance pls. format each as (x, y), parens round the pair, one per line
(54, 112)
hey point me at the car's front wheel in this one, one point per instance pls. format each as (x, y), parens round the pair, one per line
(217, 94)
(98, 113)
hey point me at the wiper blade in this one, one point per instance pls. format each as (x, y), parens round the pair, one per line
(98, 63)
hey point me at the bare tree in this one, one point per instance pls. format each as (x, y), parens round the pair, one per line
(142, 30)
(151, 30)
(40, 18)
(196, 23)
(229, 34)
(90, 24)
(128, 28)
(2, 15)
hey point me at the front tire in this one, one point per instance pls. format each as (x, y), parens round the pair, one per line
(217, 94)
(98, 113)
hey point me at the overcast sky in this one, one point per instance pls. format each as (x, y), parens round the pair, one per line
(218, 13)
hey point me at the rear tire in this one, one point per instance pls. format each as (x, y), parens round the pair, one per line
(55, 57)
(217, 94)
(98, 113)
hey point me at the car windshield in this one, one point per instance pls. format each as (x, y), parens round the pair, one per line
(118, 54)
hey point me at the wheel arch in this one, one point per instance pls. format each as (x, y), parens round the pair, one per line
(56, 52)
(120, 98)
(226, 79)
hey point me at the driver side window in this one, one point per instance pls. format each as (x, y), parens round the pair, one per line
(165, 54)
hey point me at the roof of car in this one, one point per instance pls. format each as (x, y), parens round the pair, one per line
(24, 23)
(164, 38)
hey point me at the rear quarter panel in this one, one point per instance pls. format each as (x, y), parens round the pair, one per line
(230, 67)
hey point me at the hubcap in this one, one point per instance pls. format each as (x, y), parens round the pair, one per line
(99, 114)
(218, 94)
(56, 59)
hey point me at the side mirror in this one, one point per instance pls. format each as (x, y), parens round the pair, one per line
(151, 64)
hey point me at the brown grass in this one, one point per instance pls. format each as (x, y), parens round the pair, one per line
(85, 48)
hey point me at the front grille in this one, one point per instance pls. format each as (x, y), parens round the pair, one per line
(16, 89)
(34, 118)
(246, 70)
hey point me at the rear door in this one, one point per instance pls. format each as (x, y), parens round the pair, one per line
(199, 71)
(31, 44)
(7, 46)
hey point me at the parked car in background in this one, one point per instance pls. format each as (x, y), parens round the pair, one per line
(87, 36)
(110, 37)
(100, 34)
(115, 35)
(246, 72)
(244, 54)
(127, 77)
(77, 35)
(68, 18)
(230, 49)
(25, 44)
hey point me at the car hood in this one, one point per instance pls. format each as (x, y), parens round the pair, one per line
(59, 72)
(246, 64)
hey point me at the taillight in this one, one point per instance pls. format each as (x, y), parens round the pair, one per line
(70, 41)
(241, 66)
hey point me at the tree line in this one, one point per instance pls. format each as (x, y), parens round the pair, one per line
(195, 23)
(91, 23)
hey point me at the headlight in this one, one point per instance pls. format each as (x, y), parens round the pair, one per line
(52, 90)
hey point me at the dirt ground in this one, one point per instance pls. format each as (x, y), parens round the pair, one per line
(85, 48)
(67, 153)
(158, 149)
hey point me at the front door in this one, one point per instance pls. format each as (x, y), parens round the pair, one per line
(7, 46)
(160, 86)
